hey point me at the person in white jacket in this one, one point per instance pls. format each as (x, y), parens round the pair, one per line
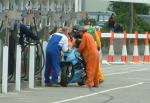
(58, 42)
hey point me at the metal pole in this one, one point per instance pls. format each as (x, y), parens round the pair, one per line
(7, 5)
(52, 6)
(5, 70)
(80, 5)
(21, 5)
(76, 5)
(44, 50)
(31, 66)
(18, 68)
(5, 61)
(83, 5)
(130, 27)
(131, 18)
(14, 5)
(48, 7)
(18, 64)
(36, 5)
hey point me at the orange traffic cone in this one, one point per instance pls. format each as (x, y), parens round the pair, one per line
(111, 57)
(135, 51)
(146, 52)
(124, 57)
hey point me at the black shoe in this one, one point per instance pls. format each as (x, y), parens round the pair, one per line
(48, 84)
(56, 85)
(52, 84)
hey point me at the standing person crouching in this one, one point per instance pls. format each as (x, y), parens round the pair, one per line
(89, 51)
(58, 42)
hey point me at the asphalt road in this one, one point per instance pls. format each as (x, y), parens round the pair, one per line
(127, 83)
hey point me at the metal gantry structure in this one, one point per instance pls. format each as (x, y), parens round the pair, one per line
(55, 12)
(46, 13)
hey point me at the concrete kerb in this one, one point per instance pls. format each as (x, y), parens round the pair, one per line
(122, 63)
(140, 62)
(117, 63)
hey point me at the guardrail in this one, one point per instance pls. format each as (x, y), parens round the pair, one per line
(121, 35)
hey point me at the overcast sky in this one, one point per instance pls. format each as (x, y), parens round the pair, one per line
(96, 5)
(102, 5)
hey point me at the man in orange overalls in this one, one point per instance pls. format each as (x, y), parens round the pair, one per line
(101, 76)
(88, 49)
(95, 33)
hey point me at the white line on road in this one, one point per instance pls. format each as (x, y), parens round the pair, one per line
(145, 69)
(96, 93)
(122, 68)
(131, 78)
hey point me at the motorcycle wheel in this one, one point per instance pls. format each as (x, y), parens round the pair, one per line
(82, 82)
(64, 76)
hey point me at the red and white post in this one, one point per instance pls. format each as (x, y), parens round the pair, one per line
(111, 57)
(124, 57)
(135, 51)
(146, 52)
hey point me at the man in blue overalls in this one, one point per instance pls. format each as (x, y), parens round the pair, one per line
(58, 42)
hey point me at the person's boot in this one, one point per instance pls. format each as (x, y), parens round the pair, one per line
(48, 84)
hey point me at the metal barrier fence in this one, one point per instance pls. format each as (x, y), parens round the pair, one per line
(4, 69)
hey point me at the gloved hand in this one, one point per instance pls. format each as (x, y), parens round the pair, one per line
(100, 54)
(69, 50)
(78, 41)
(98, 48)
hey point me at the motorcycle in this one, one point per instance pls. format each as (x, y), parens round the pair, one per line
(72, 69)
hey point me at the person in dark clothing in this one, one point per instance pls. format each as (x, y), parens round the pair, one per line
(119, 28)
(54, 30)
(111, 23)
